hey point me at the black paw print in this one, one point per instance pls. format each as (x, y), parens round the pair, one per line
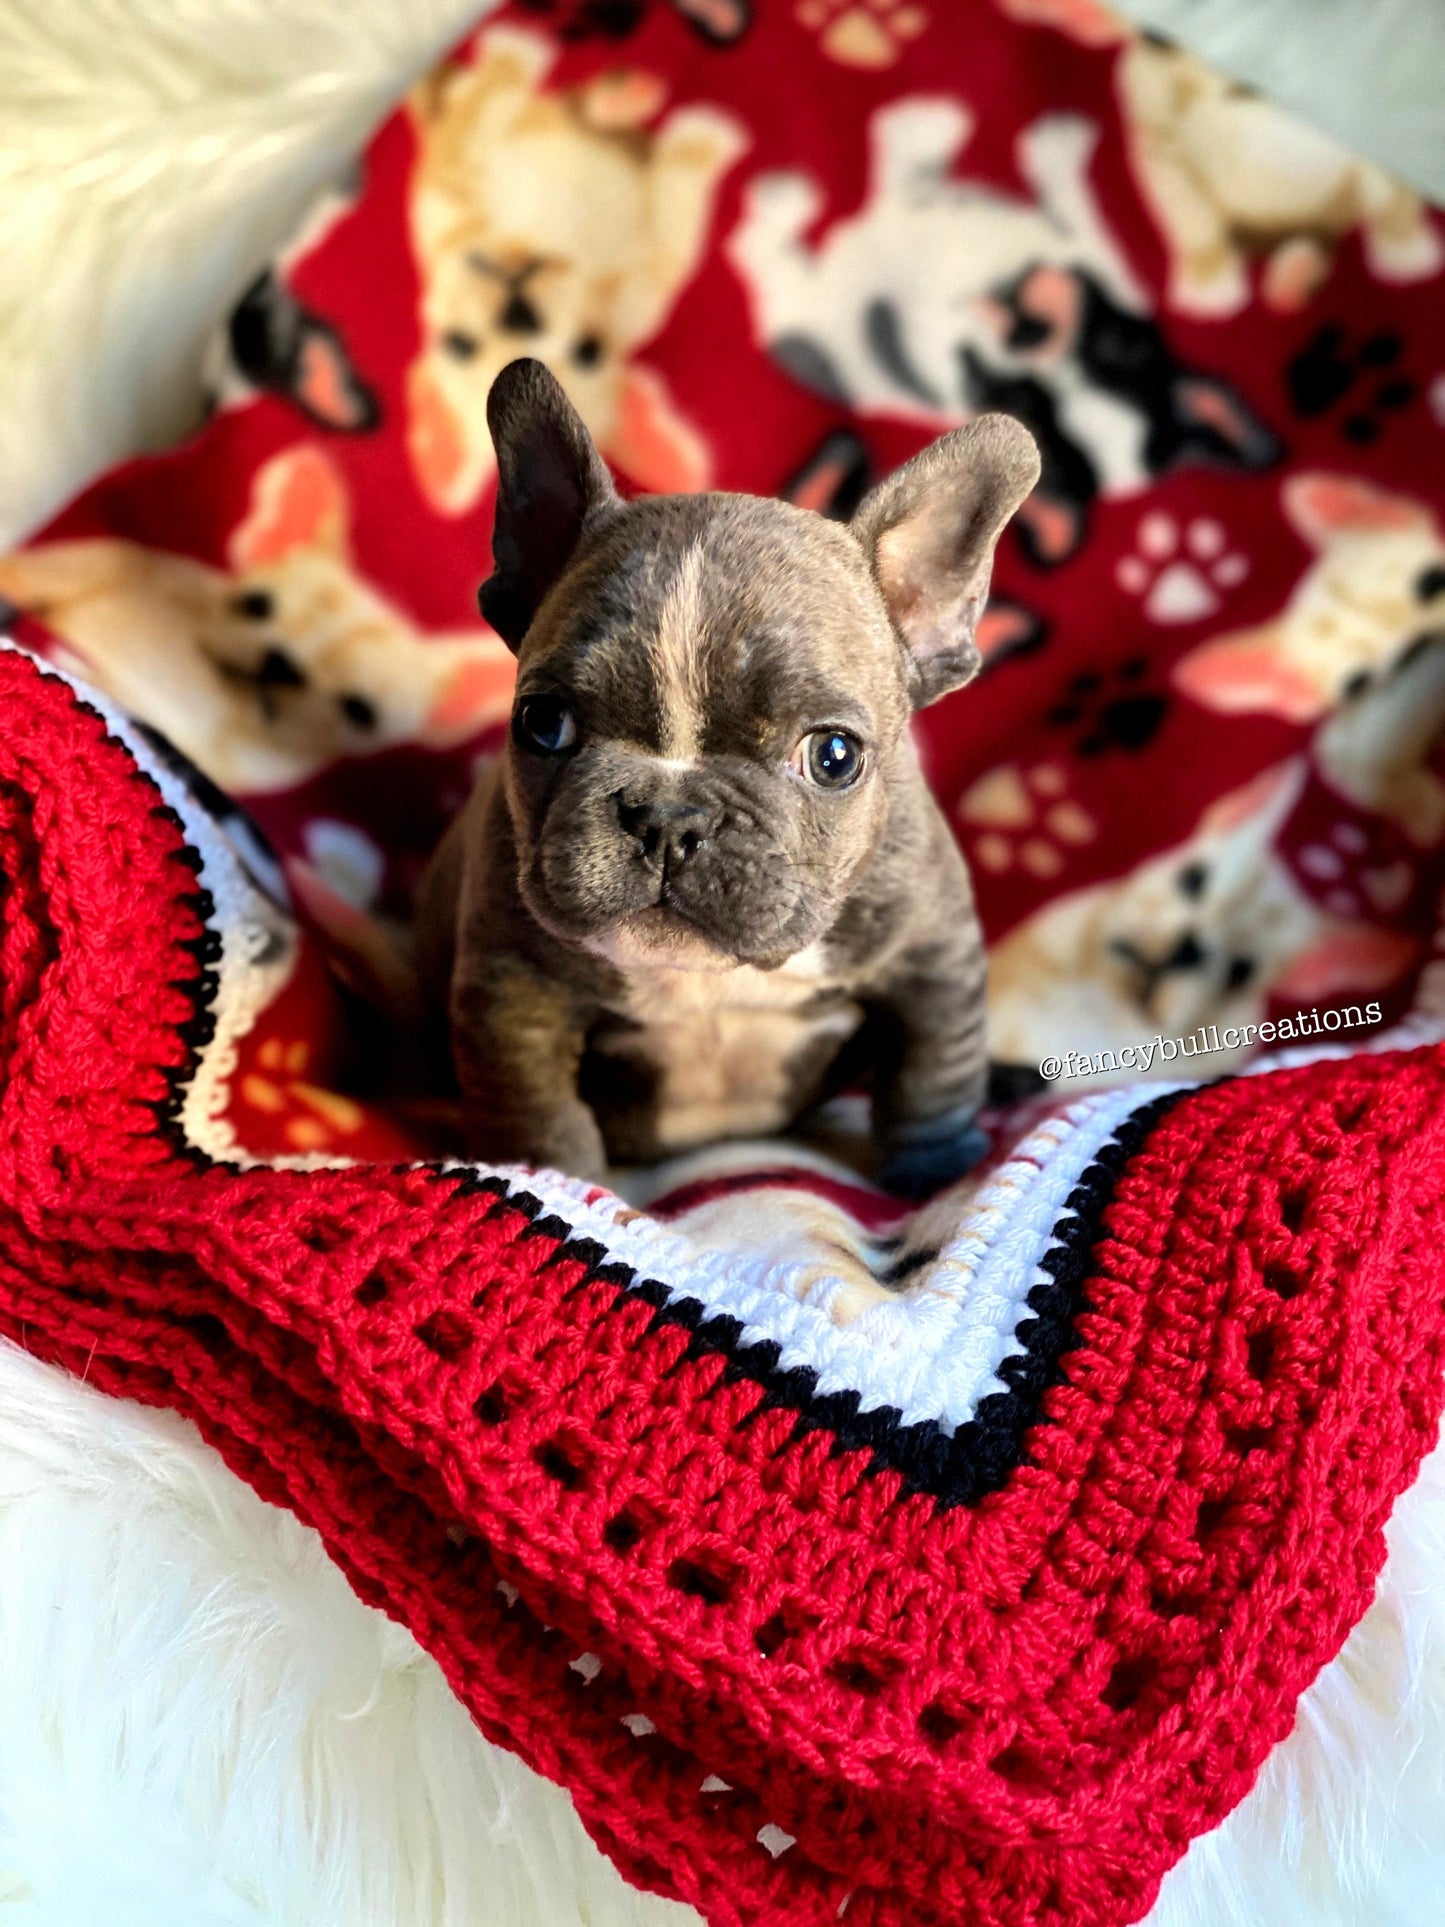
(1116, 707)
(1331, 368)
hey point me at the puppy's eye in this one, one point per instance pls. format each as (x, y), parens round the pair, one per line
(544, 724)
(588, 351)
(831, 759)
(1192, 879)
(460, 346)
(257, 605)
(1356, 685)
(1431, 583)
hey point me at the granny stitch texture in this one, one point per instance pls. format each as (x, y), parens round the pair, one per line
(793, 1648)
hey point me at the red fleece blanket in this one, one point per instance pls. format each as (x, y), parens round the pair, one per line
(951, 1564)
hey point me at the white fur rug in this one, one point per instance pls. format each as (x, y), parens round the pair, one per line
(200, 1726)
(1371, 72)
(154, 154)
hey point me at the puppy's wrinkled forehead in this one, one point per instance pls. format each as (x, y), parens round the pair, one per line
(712, 624)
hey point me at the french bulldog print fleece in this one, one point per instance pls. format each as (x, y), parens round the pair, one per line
(990, 1541)
(779, 251)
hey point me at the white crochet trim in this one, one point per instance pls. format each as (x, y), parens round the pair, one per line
(932, 1351)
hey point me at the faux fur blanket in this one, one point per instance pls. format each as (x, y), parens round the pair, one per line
(1222, 603)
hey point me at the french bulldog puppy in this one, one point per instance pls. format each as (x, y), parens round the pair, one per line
(706, 881)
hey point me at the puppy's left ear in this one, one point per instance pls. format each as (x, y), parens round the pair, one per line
(930, 531)
(551, 484)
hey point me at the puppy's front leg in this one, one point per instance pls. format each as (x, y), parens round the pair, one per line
(931, 1070)
(517, 1040)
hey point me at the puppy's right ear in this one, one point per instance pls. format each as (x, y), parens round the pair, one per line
(551, 483)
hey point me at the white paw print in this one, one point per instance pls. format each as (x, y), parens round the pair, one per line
(1181, 571)
(1013, 815)
(1354, 888)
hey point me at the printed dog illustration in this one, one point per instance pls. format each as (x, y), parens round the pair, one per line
(1365, 620)
(264, 675)
(1205, 933)
(805, 1226)
(942, 297)
(1381, 747)
(273, 343)
(554, 225)
(1232, 178)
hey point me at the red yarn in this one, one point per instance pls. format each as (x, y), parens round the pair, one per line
(1019, 1708)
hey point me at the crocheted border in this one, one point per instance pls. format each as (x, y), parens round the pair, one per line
(957, 1468)
(957, 1457)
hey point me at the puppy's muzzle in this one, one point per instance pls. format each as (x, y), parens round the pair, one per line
(667, 835)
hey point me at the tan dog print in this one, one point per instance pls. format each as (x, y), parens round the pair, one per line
(1231, 178)
(1206, 933)
(1364, 622)
(559, 226)
(1380, 747)
(829, 1261)
(265, 674)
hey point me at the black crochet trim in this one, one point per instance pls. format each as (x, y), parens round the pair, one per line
(200, 990)
(956, 1469)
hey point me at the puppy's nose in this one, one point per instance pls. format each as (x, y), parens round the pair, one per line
(666, 834)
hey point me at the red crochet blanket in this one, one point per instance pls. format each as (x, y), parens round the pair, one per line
(793, 1646)
(958, 1564)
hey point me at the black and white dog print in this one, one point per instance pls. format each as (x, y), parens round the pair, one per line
(942, 297)
(272, 343)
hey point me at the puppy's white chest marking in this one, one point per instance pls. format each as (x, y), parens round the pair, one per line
(731, 1051)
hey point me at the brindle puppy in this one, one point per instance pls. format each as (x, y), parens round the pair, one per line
(708, 859)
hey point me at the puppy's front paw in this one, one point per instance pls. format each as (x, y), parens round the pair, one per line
(920, 1163)
(569, 1141)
